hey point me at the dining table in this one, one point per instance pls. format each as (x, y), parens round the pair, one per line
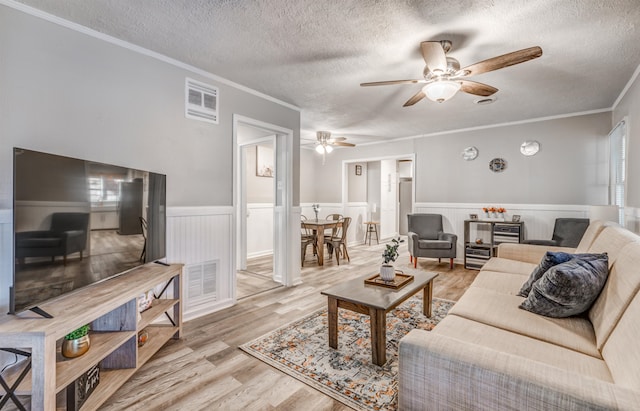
(318, 227)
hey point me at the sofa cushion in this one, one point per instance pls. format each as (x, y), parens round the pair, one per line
(623, 283)
(505, 265)
(506, 283)
(40, 242)
(611, 241)
(437, 244)
(569, 288)
(522, 346)
(595, 227)
(501, 310)
(621, 352)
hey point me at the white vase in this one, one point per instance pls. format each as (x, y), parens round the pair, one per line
(387, 272)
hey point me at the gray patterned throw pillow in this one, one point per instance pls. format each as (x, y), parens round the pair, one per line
(569, 288)
(549, 260)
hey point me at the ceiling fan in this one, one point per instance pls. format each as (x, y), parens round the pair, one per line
(325, 142)
(444, 78)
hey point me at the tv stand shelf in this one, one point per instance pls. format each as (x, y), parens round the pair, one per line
(112, 310)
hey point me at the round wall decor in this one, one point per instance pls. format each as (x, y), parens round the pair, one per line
(469, 153)
(497, 165)
(530, 148)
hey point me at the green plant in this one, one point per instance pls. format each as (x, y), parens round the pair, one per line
(80, 332)
(391, 250)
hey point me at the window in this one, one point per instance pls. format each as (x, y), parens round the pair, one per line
(618, 167)
(104, 188)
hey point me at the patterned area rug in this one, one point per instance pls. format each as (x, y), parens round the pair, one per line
(301, 349)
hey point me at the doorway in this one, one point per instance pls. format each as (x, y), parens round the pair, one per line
(256, 264)
(390, 192)
(263, 151)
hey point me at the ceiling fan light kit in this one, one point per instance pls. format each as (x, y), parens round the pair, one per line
(441, 91)
(443, 77)
(325, 143)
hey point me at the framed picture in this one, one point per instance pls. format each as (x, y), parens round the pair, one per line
(264, 161)
(515, 218)
(473, 216)
(358, 170)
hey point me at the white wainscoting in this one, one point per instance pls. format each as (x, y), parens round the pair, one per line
(538, 218)
(196, 236)
(357, 229)
(259, 229)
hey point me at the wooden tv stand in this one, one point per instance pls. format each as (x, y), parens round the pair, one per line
(111, 309)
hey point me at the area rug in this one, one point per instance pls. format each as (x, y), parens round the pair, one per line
(301, 350)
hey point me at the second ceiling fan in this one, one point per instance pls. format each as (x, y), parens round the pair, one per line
(326, 142)
(443, 77)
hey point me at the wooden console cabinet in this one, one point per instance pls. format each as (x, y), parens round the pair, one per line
(112, 310)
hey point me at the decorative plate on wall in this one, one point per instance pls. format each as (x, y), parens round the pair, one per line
(469, 153)
(497, 165)
(530, 148)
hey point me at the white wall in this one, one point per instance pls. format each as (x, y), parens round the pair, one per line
(259, 189)
(570, 168)
(374, 189)
(357, 184)
(70, 93)
(308, 168)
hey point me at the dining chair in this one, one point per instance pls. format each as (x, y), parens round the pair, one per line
(332, 231)
(143, 225)
(338, 242)
(307, 237)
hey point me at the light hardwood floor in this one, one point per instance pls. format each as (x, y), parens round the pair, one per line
(206, 370)
(257, 278)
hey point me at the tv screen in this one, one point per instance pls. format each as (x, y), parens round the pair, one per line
(77, 222)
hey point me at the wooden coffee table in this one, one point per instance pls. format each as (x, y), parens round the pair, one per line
(376, 302)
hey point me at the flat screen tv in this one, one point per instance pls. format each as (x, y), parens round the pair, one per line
(77, 222)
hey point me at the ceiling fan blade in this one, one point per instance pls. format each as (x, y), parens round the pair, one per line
(479, 89)
(503, 61)
(391, 82)
(413, 100)
(338, 143)
(434, 55)
(333, 139)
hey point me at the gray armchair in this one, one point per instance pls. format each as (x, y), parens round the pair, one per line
(67, 235)
(567, 232)
(427, 238)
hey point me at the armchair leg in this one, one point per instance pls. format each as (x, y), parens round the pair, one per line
(439, 260)
(410, 258)
(451, 263)
(415, 262)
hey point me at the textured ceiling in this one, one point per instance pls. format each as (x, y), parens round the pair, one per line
(315, 53)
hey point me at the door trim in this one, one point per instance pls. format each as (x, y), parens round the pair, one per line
(284, 252)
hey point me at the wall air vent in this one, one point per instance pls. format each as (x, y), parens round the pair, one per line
(201, 101)
(201, 281)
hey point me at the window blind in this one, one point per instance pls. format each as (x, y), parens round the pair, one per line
(618, 168)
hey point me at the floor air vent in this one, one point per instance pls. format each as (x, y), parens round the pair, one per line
(201, 101)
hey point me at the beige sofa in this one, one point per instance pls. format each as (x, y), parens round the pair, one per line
(488, 354)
